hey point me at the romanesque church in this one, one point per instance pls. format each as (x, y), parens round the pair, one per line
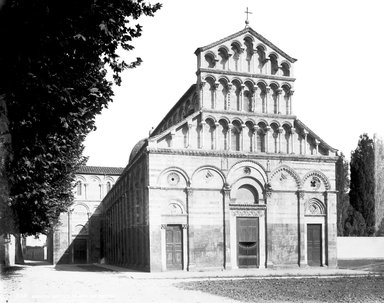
(230, 178)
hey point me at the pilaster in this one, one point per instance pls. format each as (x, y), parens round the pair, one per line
(226, 227)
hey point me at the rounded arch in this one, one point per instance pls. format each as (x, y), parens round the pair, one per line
(210, 58)
(289, 124)
(237, 42)
(274, 85)
(80, 178)
(81, 204)
(246, 190)
(208, 176)
(244, 168)
(236, 81)
(174, 169)
(261, 46)
(275, 122)
(249, 82)
(210, 78)
(224, 79)
(262, 82)
(249, 38)
(237, 119)
(320, 175)
(175, 207)
(209, 117)
(225, 119)
(214, 168)
(314, 207)
(290, 171)
(274, 54)
(262, 121)
(250, 120)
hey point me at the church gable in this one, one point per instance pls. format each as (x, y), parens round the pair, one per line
(235, 52)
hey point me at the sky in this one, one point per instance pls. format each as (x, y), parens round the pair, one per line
(338, 44)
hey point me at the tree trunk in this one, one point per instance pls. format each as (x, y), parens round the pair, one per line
(19, 256)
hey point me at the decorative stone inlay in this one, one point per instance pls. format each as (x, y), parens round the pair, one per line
(283, 177)
(248, 212)
(315, 183)
(173, 179)
(247, 170)
(314, 207)
(208, 176)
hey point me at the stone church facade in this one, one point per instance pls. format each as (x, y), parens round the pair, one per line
(230, 178)
(76, 237)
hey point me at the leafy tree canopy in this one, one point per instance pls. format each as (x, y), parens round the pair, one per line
(53, 64)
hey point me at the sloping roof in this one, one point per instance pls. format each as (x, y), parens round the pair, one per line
(254, 33)
(100, 170)
(312, 133)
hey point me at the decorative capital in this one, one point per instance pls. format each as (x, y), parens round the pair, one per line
(184, 226)
(300, 194)
(291, 92)
(317, 142)
(216, 85)
(268, 190)
(217, 124)
(247, 170)
(202, 84)
(281, 130)
(279, 91)
(293, 130)
(189, 191)
(163, 226)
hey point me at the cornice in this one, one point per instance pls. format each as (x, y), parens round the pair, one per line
(242, 155)
(250, 115)
(241, 74)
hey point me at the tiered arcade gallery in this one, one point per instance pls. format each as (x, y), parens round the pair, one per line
(230, 178)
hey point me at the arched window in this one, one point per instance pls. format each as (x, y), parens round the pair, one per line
(285, 69)
(235, 137)
(275, 137)
(109, 186)
(247, 194)
(223, 53)
(236, 55)
(261, 58)
(261, 138)
(249, 50)
(78, 188)
(209, 58)
(274, 64)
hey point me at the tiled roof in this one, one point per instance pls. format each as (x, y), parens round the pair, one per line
(100, 170)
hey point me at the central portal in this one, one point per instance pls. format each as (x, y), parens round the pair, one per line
(174, 247)
(248, 242)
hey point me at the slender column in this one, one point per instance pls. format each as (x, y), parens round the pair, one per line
(303, 262)
(305, 141)
(172, 134)
(278, 97)
(229, 139)
(226, 227)
(191, 263)
(85, 191)
(185, 246)
(202, 133)
(281, 130)
(254, 138)
(317, 142)
(241, 95)
(242, 137)
(189, 125)
(267, 138)
(216, 85)
(201, 92)
(293, 140)
(290, 94)
(216, 135)
(229, 92)
(267, 68)
(267, 96)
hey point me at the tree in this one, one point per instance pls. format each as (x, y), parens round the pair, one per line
(362, 192)
(53, 67)
(379, 185)
(342, 185)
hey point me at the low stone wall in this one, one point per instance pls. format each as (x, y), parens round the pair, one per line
(349, 248)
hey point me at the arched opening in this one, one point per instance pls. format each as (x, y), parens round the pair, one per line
(249, 51)
(210, 136)
(274, 64)
(223, 53)
(261, 132)
(235, 100)
(247, 194)
(79, 188)
(210, 59)
(236, 55)
(261, 58)
(286, 70)
(235, 135)
(275, 137)
(223, 135)
(109, 186)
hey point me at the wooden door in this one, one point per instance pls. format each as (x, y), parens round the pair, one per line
(314, 244)
(80, 251)
(248, 242)
(174, 248)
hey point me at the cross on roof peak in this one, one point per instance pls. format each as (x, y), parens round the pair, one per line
(246, 21)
